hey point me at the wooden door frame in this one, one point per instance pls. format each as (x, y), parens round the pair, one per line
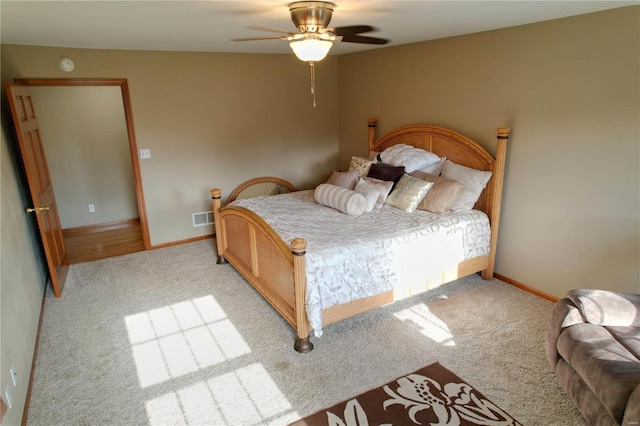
(128, 115)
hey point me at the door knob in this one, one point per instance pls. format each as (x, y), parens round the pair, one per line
(38, 209)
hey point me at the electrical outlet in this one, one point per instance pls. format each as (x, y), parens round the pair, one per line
(7, 397)
(92, 208)
(14, 375)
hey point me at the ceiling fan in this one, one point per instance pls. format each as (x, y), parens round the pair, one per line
(315, 38)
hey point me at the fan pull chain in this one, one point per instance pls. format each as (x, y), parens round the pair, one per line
(313, 82)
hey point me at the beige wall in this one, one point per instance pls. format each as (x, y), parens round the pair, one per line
(570, 91)
(209, 119)
(87, 148)
(22, 280)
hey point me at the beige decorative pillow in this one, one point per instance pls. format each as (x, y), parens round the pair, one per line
(409, 192)
(442, 195)
(361, 165)
(344, 179)
(473, 180)
(383, 187)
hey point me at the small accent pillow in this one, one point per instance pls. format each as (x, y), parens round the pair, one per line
(370, 194)
(473, 180)
(442, 195)
(339, 198)
(382, 187)
(410, 157)
(344, 179)
(360, 165)
(386, 172)
(409, 192)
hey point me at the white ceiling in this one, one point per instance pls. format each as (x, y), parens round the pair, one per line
(208, 26)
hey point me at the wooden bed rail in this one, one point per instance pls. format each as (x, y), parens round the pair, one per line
(216, 195)
(299, 249)
(496, 197)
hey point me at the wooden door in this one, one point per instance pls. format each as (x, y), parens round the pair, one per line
(35, 165)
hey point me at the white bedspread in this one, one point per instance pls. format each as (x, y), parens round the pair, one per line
(349, 258)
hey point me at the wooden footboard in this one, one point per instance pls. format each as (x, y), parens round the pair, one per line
(274, 269)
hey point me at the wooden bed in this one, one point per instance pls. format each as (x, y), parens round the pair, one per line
(276, 269)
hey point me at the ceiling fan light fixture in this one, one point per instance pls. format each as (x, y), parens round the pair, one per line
(311, 50)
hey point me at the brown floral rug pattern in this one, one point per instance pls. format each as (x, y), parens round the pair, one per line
(432, 395)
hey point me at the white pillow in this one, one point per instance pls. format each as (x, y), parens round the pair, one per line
(435, 169)
(370, 194)
(473, 180)
(381, 186)
(389, 154)
(339, 198)
(410, 157)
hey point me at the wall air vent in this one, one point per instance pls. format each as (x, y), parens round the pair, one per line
(202, 218)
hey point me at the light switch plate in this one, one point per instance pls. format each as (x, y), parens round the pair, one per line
(145, 153)
(14, 375)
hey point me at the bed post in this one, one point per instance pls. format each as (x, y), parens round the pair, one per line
(216, 194)
(298, 249)
(496, 197)
(372, 133)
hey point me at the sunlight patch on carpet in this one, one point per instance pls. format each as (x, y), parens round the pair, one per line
(182, 338)
(247, 395)
(420, 317)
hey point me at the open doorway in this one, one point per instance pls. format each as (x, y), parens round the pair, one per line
(90, 146)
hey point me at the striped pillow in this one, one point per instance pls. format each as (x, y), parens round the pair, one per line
(342, 199)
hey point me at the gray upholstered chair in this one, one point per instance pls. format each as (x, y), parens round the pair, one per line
(593, 345)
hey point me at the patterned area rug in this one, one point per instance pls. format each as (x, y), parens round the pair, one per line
(432, 395)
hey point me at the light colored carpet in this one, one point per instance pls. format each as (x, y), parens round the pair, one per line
(169, 337)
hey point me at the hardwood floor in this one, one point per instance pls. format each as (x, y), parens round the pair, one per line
(88, 243)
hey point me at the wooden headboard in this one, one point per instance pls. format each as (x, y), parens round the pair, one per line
(453, 145)
(461, 150)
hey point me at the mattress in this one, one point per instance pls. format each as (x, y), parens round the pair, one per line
(350, 258)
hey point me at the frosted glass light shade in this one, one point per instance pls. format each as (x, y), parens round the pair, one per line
(311, 50)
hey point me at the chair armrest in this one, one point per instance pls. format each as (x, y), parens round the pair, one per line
(565, 314)
(632, 411)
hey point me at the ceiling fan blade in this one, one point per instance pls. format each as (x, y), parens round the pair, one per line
(273, 30)
(323, 36)
(364, 39)
(282, 37)
(353, 29)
